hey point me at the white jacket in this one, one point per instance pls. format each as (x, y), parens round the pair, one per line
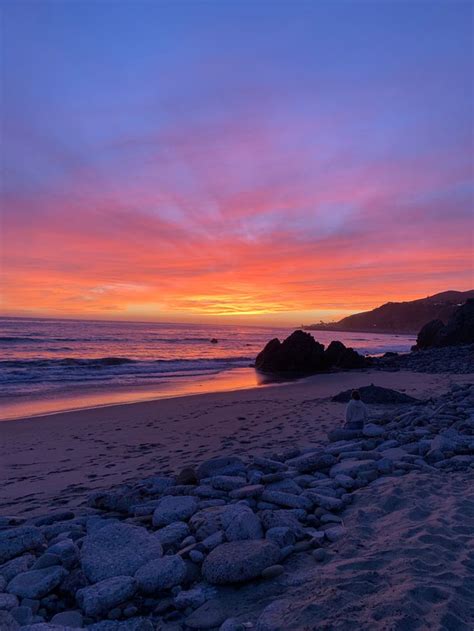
(356, 414)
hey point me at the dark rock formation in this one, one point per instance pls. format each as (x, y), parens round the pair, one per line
(300, 353)
(458, 331)
(376, 394)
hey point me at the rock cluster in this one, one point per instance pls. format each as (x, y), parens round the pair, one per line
(300, 354)
(458, 330)
(376, 395)
(450, 359)
(160, 554)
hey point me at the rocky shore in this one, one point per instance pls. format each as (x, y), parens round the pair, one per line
(222, 546)
(458, 360)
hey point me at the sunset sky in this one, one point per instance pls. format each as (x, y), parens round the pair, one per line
(267, 161)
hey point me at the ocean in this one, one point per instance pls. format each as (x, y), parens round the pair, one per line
(53, 365)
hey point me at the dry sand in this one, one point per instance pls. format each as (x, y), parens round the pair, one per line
(56, 460)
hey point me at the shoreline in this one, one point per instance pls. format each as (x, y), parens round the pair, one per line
(57, 460)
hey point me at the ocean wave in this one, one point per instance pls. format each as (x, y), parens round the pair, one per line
(112, 361)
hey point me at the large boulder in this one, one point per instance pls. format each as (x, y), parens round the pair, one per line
(376, 395)
(239, 561)
(459, 330)
(118, 550)
(334, 352)
(429, 334)
(299, 354)
(36, 583)
(15, 541)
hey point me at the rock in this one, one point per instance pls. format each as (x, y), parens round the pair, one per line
(244, 524)
(376, 395)
(286, 499)
(232, 624)
(273, 571)
(272, 617)
(16, 541)
(251, 490)
(314, 461)
(134, 624)
(208, 616)
(227, 482)
(161, 574)
(334, 352)
(351, 467)
(187, 476)
(173, 534)
(8, 601)
(191, 598)
(99, 598)
(23, 615)
(299, 354)
(281, 535)
(46, 560)
(196, 556)
(459, 329)
(174, 508)
(36, 583)
(225, 465)
(16, 566)
(47, 520)
(319, 555)
(335, 533)
(239, 561)
(72, 618)
(8, 622)
(372, 431)
(67, 551)
(117, 550)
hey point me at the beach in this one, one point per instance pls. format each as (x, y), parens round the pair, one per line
(57, 460)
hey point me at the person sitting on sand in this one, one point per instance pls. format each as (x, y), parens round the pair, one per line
(356, 412)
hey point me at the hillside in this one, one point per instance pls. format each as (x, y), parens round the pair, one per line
(400, 317)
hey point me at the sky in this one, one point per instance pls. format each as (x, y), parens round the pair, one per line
(264, 161)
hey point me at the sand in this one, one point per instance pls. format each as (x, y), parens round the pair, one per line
(57, 460)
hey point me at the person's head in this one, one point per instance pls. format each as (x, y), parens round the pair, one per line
(355, 395)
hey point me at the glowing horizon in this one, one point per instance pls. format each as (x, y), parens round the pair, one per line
(204, 162)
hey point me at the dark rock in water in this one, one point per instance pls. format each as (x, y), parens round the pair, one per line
(214, 340)
(299, 353)
(376, 394)
(390, 354)
(459, 330)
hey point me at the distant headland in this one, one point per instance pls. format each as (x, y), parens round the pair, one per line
(399, 317)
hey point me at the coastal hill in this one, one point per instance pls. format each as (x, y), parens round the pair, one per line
(400, 317)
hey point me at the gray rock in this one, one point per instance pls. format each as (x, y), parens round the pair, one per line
(227, 482)
(335, 533)
(36, 583)
(281, 535)
(118, 550)
(209, 615)
(161, 574)
(99, 598)
(226, 465)
(71, 619)
(372, 431)
(67, 551)
(174, 508)
(286, 499)
(251, 490)
(244, 524)
(325, 501)
(133, 624)
(173, 534)
(16, 541)
(351, 467)
(8, 601)
(273, 571)
(8, 622)
(23, 615)
(192, 597)
(213, 540)
(315, 461)
(272, 617)
(47, 520)
(239, 561)
(196, 556)
(232, 624)
(46, 560)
